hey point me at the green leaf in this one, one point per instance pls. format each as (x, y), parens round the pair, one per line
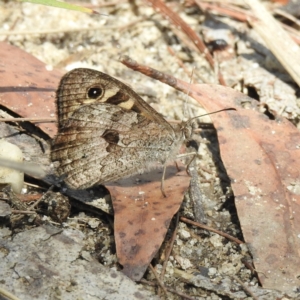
(61, 4)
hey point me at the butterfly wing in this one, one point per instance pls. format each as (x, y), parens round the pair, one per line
(106, 131)
(103, 142)
(85, 86)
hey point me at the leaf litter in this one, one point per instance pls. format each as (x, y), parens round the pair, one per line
(194, 250)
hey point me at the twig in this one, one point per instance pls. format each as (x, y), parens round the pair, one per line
(229, 237)
(35, 185)
(35, 120)
(169, 250)
(288, 16)
(161, 284)
(248, 291)
(130, 24)
(29, 197)
(153, 73)
(206, 170)
(43, 197)
(168, 289)
(7, 295)
(13, 26)
(24, 212)
(222, 9)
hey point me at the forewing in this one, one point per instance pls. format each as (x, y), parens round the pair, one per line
(86, 86)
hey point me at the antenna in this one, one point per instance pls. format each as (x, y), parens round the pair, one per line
(211, 113)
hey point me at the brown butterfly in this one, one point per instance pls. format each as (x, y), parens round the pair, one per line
(107, 132)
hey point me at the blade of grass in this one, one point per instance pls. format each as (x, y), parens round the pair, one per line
(61, 4)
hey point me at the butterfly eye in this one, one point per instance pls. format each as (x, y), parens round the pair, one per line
(95, 92)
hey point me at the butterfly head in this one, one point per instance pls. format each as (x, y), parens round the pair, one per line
(187, 129)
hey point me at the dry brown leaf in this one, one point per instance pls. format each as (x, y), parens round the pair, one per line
(143, 215)
(261, 157)
(27, 88)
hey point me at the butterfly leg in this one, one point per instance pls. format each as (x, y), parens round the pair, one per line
(190, 162)
(162, 186)
(193, 154)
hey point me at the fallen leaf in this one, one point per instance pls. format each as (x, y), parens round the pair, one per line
(143, 215)
(261, 157)
(26, 87)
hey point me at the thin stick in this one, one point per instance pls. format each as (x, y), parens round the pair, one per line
(184, 296)
(36, 120)
(248, 291)
(35, 185)
(38, 201)
(168, 289)
(226, 9)
(161, 284)
(25, 212)
(229, 237)
(7, 295)
(169, 250)
(287, 16)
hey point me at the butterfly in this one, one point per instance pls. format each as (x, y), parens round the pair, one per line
(106, 131)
